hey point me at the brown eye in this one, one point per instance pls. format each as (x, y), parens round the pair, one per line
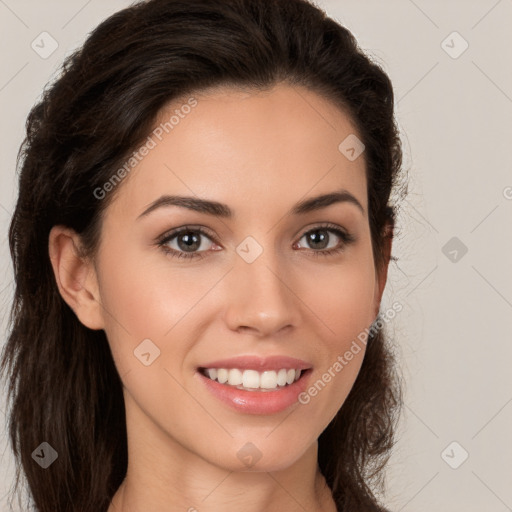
(318, 239)
(322, 242)
(187, 241)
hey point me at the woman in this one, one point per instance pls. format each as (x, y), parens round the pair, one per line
(201, 244)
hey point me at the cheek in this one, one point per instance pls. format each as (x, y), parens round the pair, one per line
(140, 291)
(342, 297)
(343, 300)
(147, 300)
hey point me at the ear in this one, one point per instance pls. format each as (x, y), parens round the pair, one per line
(75, 277)
(382, 272)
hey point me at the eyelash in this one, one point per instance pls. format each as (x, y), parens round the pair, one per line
(346, 239)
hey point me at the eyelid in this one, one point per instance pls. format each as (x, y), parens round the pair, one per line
(188, 227)
(320, 225)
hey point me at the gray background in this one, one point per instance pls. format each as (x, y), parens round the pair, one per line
(455, 113)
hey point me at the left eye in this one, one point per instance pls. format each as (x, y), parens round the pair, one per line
(189, 240)
(321, 237)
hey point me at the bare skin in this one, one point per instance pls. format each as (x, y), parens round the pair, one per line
(260, 154)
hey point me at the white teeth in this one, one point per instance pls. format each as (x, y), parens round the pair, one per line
(212, 373)
(281, 377)
(268, 380)
(252, 379)
(235, 377)
(222, 375)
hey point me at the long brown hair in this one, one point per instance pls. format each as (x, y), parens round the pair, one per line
(64, 388)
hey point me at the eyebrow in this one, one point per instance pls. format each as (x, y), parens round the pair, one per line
(222, 210)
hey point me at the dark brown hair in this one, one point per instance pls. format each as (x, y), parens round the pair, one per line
(63, 385)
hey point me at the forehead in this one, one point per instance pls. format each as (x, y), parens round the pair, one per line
(252, 150)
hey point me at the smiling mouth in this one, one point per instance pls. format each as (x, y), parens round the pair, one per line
(252, 380)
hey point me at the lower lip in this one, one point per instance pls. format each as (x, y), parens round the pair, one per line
(257, 402)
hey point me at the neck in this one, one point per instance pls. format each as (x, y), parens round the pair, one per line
(165, 474)
(131, 498)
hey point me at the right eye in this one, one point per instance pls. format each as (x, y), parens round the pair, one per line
(188, 240)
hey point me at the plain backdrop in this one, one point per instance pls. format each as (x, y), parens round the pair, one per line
(450, 63)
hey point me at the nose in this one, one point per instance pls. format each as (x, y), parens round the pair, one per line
(260, 298)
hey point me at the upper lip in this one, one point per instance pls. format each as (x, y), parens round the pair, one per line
(259, 363)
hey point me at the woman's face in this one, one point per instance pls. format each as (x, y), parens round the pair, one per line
(259, 282)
